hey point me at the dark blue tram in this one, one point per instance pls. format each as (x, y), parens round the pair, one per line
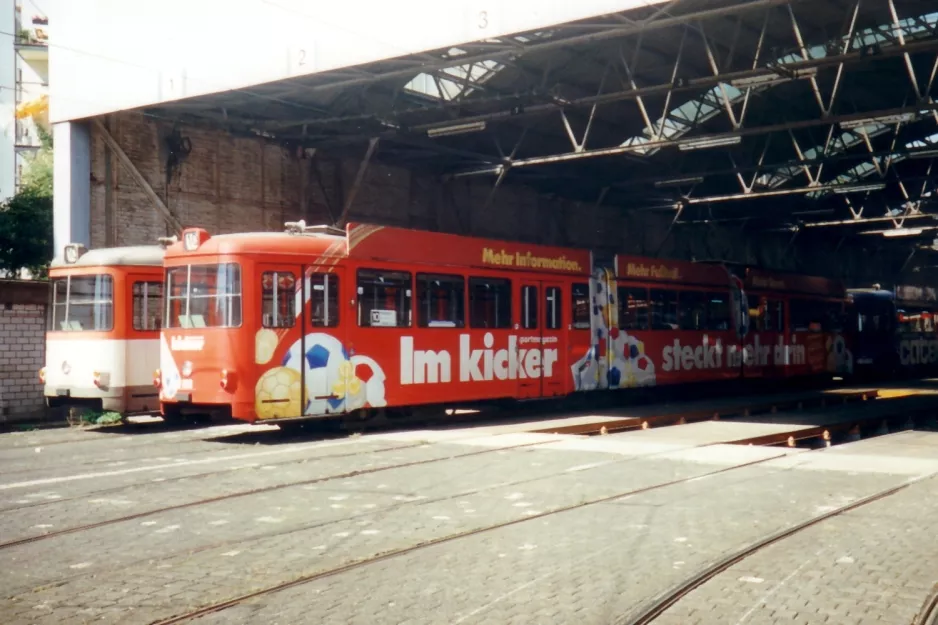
(894, 332)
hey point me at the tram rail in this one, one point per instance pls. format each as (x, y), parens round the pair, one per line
(660, 604)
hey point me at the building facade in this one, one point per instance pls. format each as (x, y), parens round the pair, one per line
(24, 86)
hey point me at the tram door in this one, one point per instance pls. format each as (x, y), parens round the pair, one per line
(326, 371)
(539, 334)
(279, 319)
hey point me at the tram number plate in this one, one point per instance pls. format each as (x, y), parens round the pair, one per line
(62, 392)
(184, 397)
(384, 318)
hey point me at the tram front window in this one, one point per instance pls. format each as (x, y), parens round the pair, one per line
(82, 303)
(203, 296)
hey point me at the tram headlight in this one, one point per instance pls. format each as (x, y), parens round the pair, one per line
(42, 375)
(157, 378)
(227, 381)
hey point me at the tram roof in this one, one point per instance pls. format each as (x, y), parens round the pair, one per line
(392, 244)
(134, 255)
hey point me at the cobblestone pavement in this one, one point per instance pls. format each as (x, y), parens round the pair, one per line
(587, 564)
(872, 565)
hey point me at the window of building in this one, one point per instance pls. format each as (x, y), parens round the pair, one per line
(553, 315)
(148, 305)
(663, 309)
(323, 299)
(634, 308)
(580, 296)
(440, 301)
(384, 299)
(278, 293)
(529, 307)
(489, 303)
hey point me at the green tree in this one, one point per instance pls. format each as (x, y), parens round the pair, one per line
(38, 174)
(26, 218)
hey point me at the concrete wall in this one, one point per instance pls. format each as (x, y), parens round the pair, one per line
(230, 184)
(22, 347)
(130, 54)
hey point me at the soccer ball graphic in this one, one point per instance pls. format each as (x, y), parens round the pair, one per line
(265, 343)
(321, 362)
(372, 378)
(278, 393)
(334, 382)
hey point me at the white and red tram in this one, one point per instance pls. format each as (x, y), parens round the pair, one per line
(102, 343)
(316, 322)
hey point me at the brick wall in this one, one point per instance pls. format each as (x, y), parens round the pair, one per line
(22, 347)
(237, 184)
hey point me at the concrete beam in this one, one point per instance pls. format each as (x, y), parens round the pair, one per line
(71, 193)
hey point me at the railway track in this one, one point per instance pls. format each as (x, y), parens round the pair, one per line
(394, 553)
(928, 615)
(660, 604)
(397, 552)
(647, 613)
(266, 489)
(767, 407)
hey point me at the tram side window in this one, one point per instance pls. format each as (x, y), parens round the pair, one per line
(384, 299)
(82, 303)
(692, 310)
(807, 315)
(529, 307)
(833, 317)
(440, 301)
(872, 322)
(756, 313)
(663, 310)
(580, 296)
(914, 320)
(489, 303)
(203, 296)
(718, 311)
(278, 292)
(766, 315)
(148, 305)
(633, 308)
(323, 300)
(552, 309)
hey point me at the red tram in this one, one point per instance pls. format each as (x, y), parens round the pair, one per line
(317, 322)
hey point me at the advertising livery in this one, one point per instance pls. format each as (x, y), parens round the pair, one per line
(894, 330)
(316, 322)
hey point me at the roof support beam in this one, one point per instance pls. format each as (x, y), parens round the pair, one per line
(693, 85)
(743, 132)
(161, 208)
(762, 194)
(357, 183)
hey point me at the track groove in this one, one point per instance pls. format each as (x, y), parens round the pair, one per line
(266, 489)
(223, 605)
(660, 604)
